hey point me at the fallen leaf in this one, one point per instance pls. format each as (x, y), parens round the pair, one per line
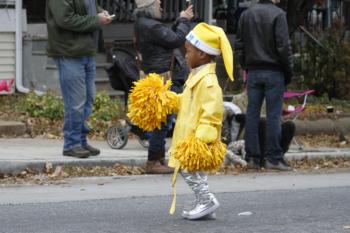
(58, 172)
(49, 167)
(247, 213)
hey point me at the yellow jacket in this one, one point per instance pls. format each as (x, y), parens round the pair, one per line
(200, 108)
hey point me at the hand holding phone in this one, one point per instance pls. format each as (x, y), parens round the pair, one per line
(111, 17)
(104, 18)
(188, 13)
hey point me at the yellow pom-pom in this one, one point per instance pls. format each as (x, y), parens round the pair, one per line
(195, 155)
(173, 102)
(150, 101)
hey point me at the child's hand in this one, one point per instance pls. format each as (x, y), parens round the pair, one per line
(206, 133)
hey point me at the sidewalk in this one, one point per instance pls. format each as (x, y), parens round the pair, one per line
(17, 154)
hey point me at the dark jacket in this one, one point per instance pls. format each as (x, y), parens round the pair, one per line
(70, 28)
(263, 41)
(157, 42)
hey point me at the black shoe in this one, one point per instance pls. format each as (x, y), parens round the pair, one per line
(93, 151)
(77, 152)
(280, 165)
(253, 163)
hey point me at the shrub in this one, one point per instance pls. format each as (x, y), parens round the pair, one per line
(105, 108)
(325, 69)
(47, 106)
(106, 111)
(48, 109)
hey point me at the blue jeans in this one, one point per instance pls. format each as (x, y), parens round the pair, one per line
(158, 136)
(77, 80)
(269, 85)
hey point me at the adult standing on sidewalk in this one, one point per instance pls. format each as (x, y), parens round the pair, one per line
(157, 44)
(264, 49)
(72, 41)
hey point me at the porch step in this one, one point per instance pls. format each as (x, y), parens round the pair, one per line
(12, 128)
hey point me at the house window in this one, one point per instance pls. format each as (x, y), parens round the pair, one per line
(35, 10)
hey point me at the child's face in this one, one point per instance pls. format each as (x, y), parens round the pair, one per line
(195, 57)
(192, 55)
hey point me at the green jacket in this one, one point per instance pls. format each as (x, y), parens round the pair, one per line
(70, 28)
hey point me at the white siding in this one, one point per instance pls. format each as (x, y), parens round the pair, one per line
(8, 20)
(7, 46)
(7, 60)
(7, 57)
(8, 2)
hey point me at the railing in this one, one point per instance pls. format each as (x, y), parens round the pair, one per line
(123, 9)
(322, 16)
(346, 13)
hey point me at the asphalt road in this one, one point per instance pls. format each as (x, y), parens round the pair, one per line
(285, 203)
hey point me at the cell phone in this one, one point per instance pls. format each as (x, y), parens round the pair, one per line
(188, 2)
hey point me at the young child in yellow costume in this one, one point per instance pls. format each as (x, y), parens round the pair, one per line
(196, 146)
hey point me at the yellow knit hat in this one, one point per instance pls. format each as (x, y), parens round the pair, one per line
(213, 41)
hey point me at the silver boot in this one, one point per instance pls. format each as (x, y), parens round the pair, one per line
(203, 209)
(205, 203)
(185, 213)
(212, 216)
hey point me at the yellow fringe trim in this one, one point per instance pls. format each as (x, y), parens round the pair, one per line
(173, 185)
(195, 155)
(150, 101)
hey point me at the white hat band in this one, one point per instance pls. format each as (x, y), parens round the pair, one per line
(195, 41)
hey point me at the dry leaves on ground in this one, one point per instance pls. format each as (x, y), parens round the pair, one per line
(324, 140)
(55, 175)
(303, 165)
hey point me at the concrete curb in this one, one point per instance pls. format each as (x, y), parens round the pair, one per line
(12, 128)
(318, 154)
(15, 167)
(325, 126)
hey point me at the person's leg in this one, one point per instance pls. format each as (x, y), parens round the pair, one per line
(240, 118)
(157, 142)
(255, 93)
(156, 150)
(226, 131)
(288, 131)
(262, 140)
(274, 103)
(73, 87)
(90, 69)
(205, 202)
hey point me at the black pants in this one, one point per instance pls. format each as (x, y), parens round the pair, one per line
(287, 134)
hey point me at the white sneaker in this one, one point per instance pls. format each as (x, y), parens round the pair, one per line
(211, 216)
(203, 209)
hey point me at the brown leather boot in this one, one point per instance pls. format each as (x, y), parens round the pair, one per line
(163, 162)
(155, 167)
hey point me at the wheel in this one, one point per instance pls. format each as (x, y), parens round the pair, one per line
(143, 142)
(117, 136)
